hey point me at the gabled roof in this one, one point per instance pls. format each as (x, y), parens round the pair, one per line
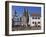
(35, 14)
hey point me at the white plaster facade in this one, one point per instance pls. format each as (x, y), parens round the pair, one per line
(31, 20)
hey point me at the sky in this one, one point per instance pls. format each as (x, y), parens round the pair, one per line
(31, 10)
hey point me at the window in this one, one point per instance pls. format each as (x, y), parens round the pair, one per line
(38, 17)
(35, 17)
(33, 22)
(32, 17)
(38, 22)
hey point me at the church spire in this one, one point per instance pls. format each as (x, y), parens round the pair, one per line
(15, 13)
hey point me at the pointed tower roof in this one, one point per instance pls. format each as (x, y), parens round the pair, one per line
(24, 10)
(15, 13)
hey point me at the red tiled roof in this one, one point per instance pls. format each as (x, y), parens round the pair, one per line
(36, 15)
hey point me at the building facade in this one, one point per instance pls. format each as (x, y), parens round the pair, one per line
(34, 20)
(17, 21)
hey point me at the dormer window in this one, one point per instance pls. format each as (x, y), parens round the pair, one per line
(38, 17)
(35, 17)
